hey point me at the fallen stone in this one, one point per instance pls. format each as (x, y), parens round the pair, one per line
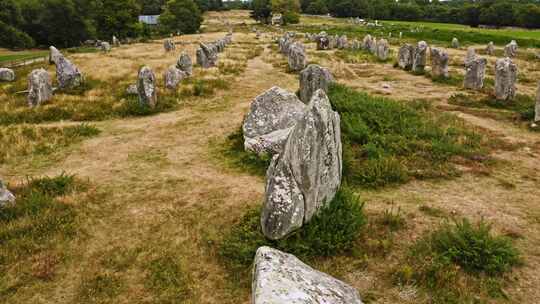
(184, 63)
(420, 58)
(505, 79)
(405, 56)
(6, 197)
(146, 87)
(173, 76)
(439, 63)
(39, 87)
(474, 74)
(307, 174)
(297, 57)
(7, 74)
(280, 278)
(314, 78)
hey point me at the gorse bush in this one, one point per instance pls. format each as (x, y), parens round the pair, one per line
(332, 231)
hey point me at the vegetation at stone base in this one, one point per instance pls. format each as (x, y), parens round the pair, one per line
(460, 261)
(203, 87)
(31, 230)
(26, 140)
(386, 142)
(522, 106)
(332, 231)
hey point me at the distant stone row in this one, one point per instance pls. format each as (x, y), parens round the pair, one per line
(379, 48)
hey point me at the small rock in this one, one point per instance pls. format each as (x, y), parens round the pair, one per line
(54, 54)
(537, 107)
(6, 197)
(67, 74)
(490, 49)
(382, 49)
(7, 74)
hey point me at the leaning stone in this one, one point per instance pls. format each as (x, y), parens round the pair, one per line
(270, 119)
(314, 78)
(490, 49)
(173, 76)
(146, 87)
(474, 74)
(405, 56)
(537, 108)
(67, 74)
(420, 58)
(184, 63)
(280, 278)
(6, 197)
(455, 43)
(169, 45)
(471, 55)
(39, 87)
(307, 174)
(342, 42)
(54, 54)
(382, 49)
(510, 50)
(505, 79)
(297, 57)
(439, 63)
(7, 74)
(105, 47)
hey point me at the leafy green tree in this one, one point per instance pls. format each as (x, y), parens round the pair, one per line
(181, 15)
(60, 24)
(261, 10)
(289, 9)
(117, 17)
(317, 7)
(529, 16)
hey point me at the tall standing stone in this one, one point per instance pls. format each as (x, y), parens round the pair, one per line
(439, 63)
(367, 43)
(54, 54)
(169, 45)
(471, 55)
(39, 87)
(7, 74)
(210, 50)
(6, 197)
(382, 49)
(184, 63)
(490, 49)
(405, 56)
(510, 50)
(505, 79)
(342, 42)
(281, 278)
(474, 74)
(307, 174)
(420, 58)
(146, 87)
(455, 43)
(67, 73)
(173, 76)
(356, 44)
(314, 78)
(297, 57)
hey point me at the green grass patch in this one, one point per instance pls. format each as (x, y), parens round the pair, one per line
(203, 87)
(99, 288)
(20, 56)
(166, 279)
(522, 106)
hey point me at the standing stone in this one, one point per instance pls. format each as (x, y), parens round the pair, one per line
(54, 54)
(505, 79)
(105, 47)
(173, 76)
(382, 49)
(439, 63)
(455, 43)
(356, 45)
(405, 56)
(270, 120)
(474, 74)
(6, 197)
(184, 63)
(471, 55)
(367, 42)
(39, 87)
(115, 41)
(510, 50)
(67, 74)
(297, 57)
(323, 42)
(281, 278)
(342, 42)
(373, 46)
(490, 49)
(202, 60)
(210, 52)
(307, 174)
(169, 45)
(537, 108)
(7, 74)
(419, 58)
(314, 78)
(146, 86)
(284, 45)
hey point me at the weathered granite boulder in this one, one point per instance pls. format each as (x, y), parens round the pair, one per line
(490, 49)
(173, 76)
(297, 57)
(281, 278)
(342, 42)
(146, 87)
(168, 45)
(419, 57)
(510, 50)
(54, 54)
(439, 63)
(471, 55)
(455, 43)
(367, 42)
(67, 74)
(184, 63)
(206, 56)
(6, 197)
(474, 74)
(307, 174)
(132, 89)
(105, 47)
(284, 45)
(505, 79)
(537, 108)
(314, 78)
(405, 56)
(39, 87)
(323, 42)
(382, 49)
(7, 74)
(115, 41)
(270, 120)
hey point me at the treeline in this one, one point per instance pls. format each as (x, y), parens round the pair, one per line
(497, 13)
(65, 23)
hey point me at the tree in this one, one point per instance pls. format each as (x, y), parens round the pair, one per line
(60, 24)
(261, 10)
(181, 15)
(289, 9)
(117, 17)
(529, 16)
(317, 7)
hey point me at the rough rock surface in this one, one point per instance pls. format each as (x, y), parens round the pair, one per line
(505, 79)
(367, 43)
(132, 90)
(105, 47)
(284, 45)
(7, 74)
(382, 49)
(342, 42)
(115, 41)
(356, 44)
(207, 55)
(6, 197)
(474, 74)
(439, 63)
(270, 119)
(307, 174)
(455, 43)
(297, 57)
(39, 87)
(173, 76)
(184, 63)
(169, 45)
(405, 56)
(54, 54)
(202, 60)
(323, 43)
(314, 78)
(281, 278)
(537, 108)
(67, 74)
(471, 55)
(490, 49)
(146, 87)
(419, 57)
(510, 50)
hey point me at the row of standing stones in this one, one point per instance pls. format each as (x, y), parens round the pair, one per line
(302, 134)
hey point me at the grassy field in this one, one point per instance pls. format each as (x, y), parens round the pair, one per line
(6, 56)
